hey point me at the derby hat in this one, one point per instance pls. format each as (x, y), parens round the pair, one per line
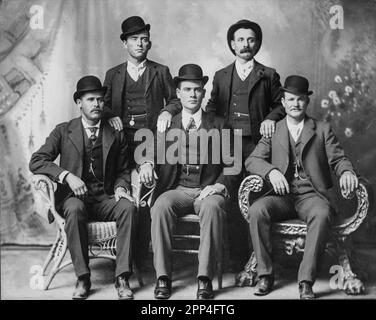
(246, 24)
(133, 25)
(297, 85)
(88, 84)
(190, 72)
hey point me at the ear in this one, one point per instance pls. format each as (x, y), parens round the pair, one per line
(178, 92)
(150, 44)
(233, 44)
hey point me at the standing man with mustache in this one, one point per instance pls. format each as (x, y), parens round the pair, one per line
(140, 94)
(93, 183)
(246, 93)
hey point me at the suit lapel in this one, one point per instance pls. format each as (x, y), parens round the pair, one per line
(150, 74)
(75, 134)
(205, 125)
(282, 135)
(108, 138)
(255, 75)
(308, 132)
(119, 80)
(227, 80)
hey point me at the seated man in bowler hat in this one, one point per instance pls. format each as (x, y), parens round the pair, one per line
(93, 183)
(296, 160)
(186, 187)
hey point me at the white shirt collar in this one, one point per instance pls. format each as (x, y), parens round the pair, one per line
(244, 69)
(295, 129)
(138, 67)
(86, 127)
(186, 116)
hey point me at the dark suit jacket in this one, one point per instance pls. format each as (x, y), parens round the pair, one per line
(264, 95)
(160, 89)
(67, 140)
(321, 151)
(209, 173)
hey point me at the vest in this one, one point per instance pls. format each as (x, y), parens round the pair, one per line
(134, 112)
(189, 172)
(298, 184)
(239, 117)
(93, 158)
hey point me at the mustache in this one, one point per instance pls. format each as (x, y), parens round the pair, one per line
(246, 50)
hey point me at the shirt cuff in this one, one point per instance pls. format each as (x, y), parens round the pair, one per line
(62, 176)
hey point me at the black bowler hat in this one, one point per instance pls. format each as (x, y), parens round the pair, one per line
(133, 25)
(297, 85)
(246, 24)
(88, 84)
(190, 72)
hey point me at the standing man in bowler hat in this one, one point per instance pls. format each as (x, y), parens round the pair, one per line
(140, 94)
(187, 187)
(296, 160)
(246, 93)
(93, 183)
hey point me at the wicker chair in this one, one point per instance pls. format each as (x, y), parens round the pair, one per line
(289, 236)
(102, 235)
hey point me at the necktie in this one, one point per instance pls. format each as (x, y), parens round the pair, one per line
(93, 136)
(191, 124)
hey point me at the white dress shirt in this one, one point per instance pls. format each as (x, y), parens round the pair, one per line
(136, 71)
(295, 129)
(244, 69)
(186, 117)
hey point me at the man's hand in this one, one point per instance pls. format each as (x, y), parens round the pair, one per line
(217, 188)
(121, 193)
(279, 182)
(76, 184)
(147, 174)
(164, 121)
(348, 182)
(116, 123)
(267, 128)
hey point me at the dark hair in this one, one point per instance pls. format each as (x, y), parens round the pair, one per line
(132, 34)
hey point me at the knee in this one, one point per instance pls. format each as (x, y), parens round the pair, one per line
(125, 209)
(161, 209)
(75, 209)
(321, 216)
(258, 211)
(212, 208)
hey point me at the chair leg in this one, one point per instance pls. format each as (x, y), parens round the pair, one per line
(220, 274)
(248, 276)
(51, 254)
(138, 276)
(352, 285)
(58, 256)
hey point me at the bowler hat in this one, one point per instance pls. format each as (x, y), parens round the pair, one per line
(190, 72)
(297, 85)
(88, 84)
(246, 24)
(133, 25)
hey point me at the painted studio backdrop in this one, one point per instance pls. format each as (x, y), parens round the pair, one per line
(46, 46)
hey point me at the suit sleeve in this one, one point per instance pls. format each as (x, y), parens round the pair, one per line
(173, 104)
(336, 155)
(212, 103)
(278, 112)
(259, 161)
(123, 177)
(42, 161)
(107, 109)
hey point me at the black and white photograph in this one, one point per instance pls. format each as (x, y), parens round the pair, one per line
(212, 150)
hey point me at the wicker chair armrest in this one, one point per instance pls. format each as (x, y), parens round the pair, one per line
(252, 184)
(45, 187)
